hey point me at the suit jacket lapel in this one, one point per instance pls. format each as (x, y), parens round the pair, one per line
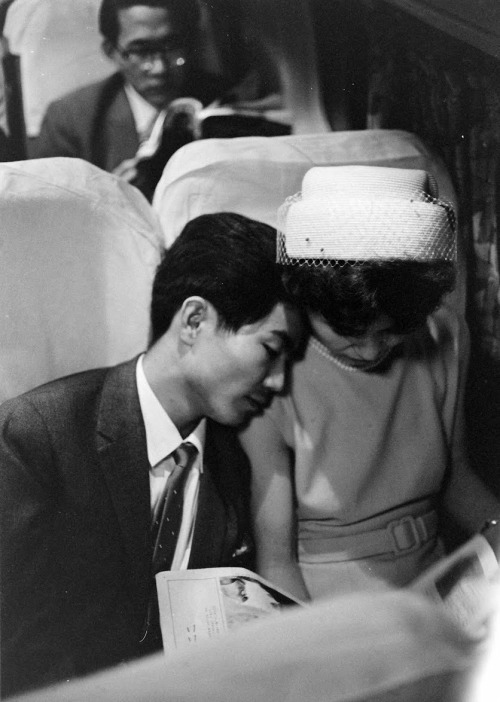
(114, 136)
(121, 444)
(210, 526)
(216, 526)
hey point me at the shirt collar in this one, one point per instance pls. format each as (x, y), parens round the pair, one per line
(162, 436)
(143, 113)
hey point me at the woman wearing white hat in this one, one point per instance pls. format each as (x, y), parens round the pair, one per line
(351, 466)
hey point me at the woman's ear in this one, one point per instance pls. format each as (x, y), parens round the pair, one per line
(195, 312)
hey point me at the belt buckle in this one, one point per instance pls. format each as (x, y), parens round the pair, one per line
(410, 533)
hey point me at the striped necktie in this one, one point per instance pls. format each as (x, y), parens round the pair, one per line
(166, 526)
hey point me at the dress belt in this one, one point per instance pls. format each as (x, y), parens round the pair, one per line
(399, 537)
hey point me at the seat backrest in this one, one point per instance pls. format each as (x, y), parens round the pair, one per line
(78, 252)
(60, 49)
(392, 646)
(254, 175)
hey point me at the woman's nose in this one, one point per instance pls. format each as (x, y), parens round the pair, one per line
(373, 347)
(369, 349)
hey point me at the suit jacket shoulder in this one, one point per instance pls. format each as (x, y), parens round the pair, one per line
(79, 125)
(75, 513)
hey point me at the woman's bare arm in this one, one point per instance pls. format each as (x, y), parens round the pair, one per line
(273, 508)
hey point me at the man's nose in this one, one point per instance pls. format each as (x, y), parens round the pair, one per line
(275, 379)
(157, 64)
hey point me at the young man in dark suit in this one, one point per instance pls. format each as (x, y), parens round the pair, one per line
(153, 44)
(85, 460)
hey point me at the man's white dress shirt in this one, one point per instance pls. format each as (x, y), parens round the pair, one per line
(144, 114)
(162, 438)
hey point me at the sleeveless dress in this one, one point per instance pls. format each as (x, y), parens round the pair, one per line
(371, 449)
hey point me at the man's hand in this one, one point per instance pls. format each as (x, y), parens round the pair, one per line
(127, 169)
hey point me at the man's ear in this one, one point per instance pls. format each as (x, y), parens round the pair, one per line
(108, 49)
(195, 312)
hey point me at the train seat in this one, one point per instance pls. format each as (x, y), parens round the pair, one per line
(78, 253)
(60, 49)
(253, 175)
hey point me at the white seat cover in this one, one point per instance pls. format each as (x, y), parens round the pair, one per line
(383, 647)
(78, 252)
(60, 49)
(254, 175)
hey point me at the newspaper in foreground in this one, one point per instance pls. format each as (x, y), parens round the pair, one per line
(465, 583)
(196, 605)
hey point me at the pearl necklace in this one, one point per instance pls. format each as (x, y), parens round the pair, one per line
(320, 348)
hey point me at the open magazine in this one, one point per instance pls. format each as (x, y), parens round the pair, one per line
(212, 121)
(196, 605)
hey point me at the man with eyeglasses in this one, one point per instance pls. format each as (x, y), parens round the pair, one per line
(132, 122)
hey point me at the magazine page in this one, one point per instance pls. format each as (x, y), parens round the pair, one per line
(464, 582)
(196, 605)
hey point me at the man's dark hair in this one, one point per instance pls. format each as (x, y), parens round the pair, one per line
(226, 258)
(185, 12)
(350, 296)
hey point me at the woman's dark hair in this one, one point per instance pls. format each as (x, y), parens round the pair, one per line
(226, 258)
(185, 12)
(351, 296)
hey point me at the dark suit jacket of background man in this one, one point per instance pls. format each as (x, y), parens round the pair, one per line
(95, 123)
(75, 511)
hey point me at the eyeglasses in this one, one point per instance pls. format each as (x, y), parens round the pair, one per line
(144, 55)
